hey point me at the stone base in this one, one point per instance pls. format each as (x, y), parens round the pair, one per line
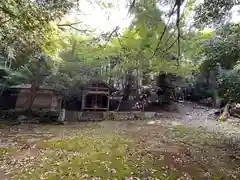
(131, 115)
(112, 115)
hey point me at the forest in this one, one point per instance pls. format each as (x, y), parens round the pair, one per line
(41, 47)
(193, 41)
(69, 53)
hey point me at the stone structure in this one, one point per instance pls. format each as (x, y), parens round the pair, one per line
(116, 116)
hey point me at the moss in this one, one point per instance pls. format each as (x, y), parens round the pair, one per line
(105, 157)
(193, 135)
(100, 152)
(222, 118)
(3, 126)
(6, 151)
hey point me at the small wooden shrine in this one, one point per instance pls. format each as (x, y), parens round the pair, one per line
(96, 96)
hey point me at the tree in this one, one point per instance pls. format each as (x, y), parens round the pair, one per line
(24, 24)
(217, 48)
(223, 48)
(213, 12)
(33, 73)
(151, 46)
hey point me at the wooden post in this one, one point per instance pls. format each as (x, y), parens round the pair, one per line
(96, 103)
(108, 96)
(83, 100)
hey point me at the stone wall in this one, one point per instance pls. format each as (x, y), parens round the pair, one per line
(113, 115)
(131, 115)
(73, 115)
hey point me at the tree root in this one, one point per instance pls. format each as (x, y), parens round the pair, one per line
(225, 115)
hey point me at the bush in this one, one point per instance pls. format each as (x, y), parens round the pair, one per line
(229, 85)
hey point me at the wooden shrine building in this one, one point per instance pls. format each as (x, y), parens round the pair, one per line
(96, 96)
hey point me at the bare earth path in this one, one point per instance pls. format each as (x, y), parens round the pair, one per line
(184, 145)
(200, 116)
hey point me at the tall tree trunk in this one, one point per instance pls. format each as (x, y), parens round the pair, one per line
(119, 104)
(225, 114)
(128, 85)
(137, 82)
(31, 96)
(122, 80)
(127, 91)
(213, 86)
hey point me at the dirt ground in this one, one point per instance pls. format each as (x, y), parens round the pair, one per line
(195, 115)
(187, 144)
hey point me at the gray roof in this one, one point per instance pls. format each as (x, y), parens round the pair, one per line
(28, 86)
(89, 83)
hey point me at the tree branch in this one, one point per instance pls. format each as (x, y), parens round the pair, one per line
(120, 42)
(165, 51)
(113, 32)
(72, 26)
(69, 24)
(179, 3)
(164, 30)
(5, 21)
(132, 5)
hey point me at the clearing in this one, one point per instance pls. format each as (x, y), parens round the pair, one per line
(169, 148)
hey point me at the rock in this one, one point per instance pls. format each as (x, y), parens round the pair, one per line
(22, 118)
(158, 114)
(149, 115)
(206, 102)
(61, 117)
(237, 105)
(151, 122)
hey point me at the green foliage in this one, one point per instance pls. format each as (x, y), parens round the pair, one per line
(25, 23)
(229, 85)
(216, 51)
(213, 12)
(147, 47)
(52, 43)
(222, 49)
(76, 59)
(192, 45)
(148, 14)
(34, 71)
(66, 85)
